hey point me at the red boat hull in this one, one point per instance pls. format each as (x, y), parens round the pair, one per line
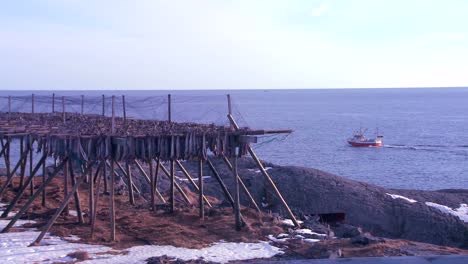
(365, 144)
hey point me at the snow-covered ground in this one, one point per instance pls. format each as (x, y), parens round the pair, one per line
(14, 248)
(396, 196)
(460, 212)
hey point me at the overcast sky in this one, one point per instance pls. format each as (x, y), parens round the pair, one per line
(215, 44)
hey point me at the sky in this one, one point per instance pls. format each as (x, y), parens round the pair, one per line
(232, 44)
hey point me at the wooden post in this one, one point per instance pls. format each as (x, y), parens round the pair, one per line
(200, 185)
(66, 170)
(23, 157)
(22, 190)
(53, 103)
(91, 196)
(130, 183)
(25, 207)
(23, 163)
(124, 172)
(189, 178)
(156, 176)
(242, 184)
(76, 193)
(150, 164)
(7, 158)
(103, 106)
(124, 108)
(169, 118)
(113, 114)
(227, 194)
(63, 108)
(236, 194)
(104, 175)
(111, 200)
(44, 172)
(229, 104)
(181, 191)
(229, 107)
(31, 160)
(102, 165)
(148, 180)
(9, 104)
(266, 174)
(172, 200)
(32, 103)
(82, 104)
(58, 211)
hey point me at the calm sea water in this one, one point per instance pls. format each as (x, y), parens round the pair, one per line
(426, 130)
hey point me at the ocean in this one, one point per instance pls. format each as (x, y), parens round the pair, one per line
(425, 129)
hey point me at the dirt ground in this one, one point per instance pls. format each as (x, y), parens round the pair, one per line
(137, 225)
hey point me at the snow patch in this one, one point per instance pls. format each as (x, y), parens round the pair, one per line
(396, 196)
(289, 222)
(306, 231)
(14, 248)
(460, 212)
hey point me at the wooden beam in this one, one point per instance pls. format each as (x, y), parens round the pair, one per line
(266, 174)
(58, 211)
(130, 183)
(142, 171)
(111, 200)
(201, 197)
(189, 178)
(237, 213)
(226, 192)
(242, 184)
(168, 174)
(23, 156)
(76, 193)
(26, 206)
(23, 189)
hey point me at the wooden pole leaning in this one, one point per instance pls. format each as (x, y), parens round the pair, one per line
(241, 183)
(237, 213)
(96, 200)
(201, 197)
(266, 174)
(59, 210)
(148, 180)
(25, 207)
(76, 193)
(177, 186)
(152, 190)
(23, 189)
(12, 172)
(226, 192)
(190, 179)
(130, 183)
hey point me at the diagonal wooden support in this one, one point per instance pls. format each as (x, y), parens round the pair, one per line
(226, 192)
(187, 175)
(135, 188)
(124, 171)
(265, 173)
(76, 194)
(96, 200)
(26, 206)
(177, 186)
(23, 188)
(10, 175)
(130, 183)
(143, 172)
(60, 209)
(241, 183)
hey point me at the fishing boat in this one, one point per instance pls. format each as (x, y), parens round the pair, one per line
(360, 140)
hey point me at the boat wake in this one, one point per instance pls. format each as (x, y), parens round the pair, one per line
(456, 149)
